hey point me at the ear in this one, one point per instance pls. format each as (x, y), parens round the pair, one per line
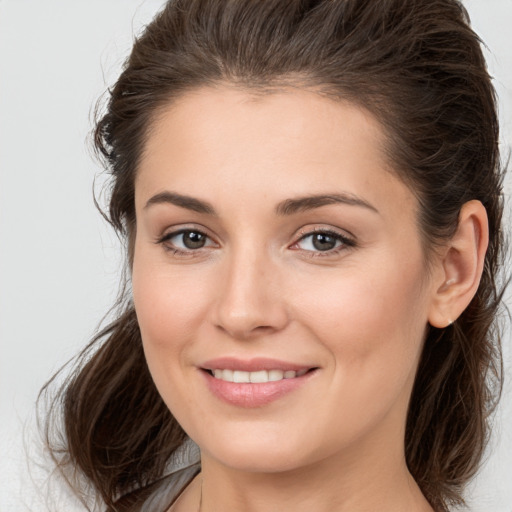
(461, 266)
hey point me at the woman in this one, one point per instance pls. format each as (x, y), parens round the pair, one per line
(311, 198)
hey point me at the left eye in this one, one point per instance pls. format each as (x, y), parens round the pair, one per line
(322, 242)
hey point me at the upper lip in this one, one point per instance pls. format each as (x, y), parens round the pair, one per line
(252, 365)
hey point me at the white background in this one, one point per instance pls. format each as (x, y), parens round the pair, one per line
(59, 262)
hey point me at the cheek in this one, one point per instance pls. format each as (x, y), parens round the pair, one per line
(169, 310)
(372, 325)
(362, 301)
(169, 305)
(372, 322)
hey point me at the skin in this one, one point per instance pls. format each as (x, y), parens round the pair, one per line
(260, 288)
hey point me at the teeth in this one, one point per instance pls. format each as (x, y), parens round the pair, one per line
(259, 376)
(274, 375)
(239, 376)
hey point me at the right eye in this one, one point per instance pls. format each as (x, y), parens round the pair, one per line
(186, 240)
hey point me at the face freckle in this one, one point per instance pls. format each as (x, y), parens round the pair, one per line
(309, 257)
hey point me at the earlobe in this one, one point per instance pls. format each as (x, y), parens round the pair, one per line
(461, 266)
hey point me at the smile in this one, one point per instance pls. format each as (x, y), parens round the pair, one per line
(256, 377)
(254, 383)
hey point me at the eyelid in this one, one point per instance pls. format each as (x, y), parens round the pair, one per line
(174, 231)
(307, 230)
(347, 240)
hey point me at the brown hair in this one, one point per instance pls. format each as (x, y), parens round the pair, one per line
(417, 66)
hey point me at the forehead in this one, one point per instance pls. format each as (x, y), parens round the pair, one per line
(232, 144)
(223, 116)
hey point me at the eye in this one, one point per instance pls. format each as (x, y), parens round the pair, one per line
(323, 241)
(186, 240)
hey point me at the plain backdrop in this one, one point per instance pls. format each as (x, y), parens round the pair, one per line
(60, 262)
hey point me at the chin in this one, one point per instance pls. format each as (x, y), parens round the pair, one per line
(258, 452)
(257, 459)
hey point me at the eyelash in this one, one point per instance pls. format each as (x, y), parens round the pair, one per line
(175, 250)
(346, 242)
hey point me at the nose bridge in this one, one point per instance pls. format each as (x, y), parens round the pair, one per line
(248, 302)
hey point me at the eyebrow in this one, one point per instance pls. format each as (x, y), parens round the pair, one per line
(284, 208)
(301, 204)
(187, 202)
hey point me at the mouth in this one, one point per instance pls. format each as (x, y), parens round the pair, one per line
(256, 377)
(254, 383)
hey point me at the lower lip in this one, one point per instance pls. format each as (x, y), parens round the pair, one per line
(253, 395)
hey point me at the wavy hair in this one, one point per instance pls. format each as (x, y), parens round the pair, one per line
(418, 67)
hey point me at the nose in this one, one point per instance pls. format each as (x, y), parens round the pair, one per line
(250, 300)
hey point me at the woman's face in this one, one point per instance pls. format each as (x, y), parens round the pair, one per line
(272, 238)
